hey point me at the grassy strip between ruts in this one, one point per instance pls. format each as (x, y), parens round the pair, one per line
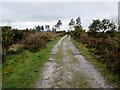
(21, 70)
(112, 79)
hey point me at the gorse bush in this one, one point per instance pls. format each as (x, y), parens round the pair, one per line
(13, 39)
(17, 41)
(7, 38)
(10, 36)
(38, 40)
(18, 35)
(35, 42)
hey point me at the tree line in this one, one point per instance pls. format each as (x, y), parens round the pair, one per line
(47, 27)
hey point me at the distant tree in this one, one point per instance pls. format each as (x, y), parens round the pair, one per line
(102, 26)
(53, 29)
(78, 22)
(47, 27)
(37, 28)
(106, 25)
(42, 28)
(59, 23)
(71, 24)
(76, 34)
(95, 26)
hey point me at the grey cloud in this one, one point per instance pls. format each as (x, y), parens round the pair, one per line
(38, 11)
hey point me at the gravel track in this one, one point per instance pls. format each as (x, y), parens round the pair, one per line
(67, 68)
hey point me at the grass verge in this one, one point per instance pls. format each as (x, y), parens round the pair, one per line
(21, 70)
(112, 79)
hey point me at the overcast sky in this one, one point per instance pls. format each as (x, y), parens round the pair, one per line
(29, 14)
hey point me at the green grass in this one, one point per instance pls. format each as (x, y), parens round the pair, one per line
(21, 70)
(111, 78)
(72, 58)
(80, 80)
(59, 55)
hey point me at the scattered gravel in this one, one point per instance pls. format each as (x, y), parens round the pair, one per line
(73, 71)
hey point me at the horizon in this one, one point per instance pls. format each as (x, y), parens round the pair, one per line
(23, 15)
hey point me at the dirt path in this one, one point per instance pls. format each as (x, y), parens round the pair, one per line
(66, 68)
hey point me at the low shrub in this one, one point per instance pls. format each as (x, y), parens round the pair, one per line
(35, 42)
(10, 36)
(104, 46)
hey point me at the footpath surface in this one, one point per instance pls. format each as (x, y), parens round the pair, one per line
(67, 68)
